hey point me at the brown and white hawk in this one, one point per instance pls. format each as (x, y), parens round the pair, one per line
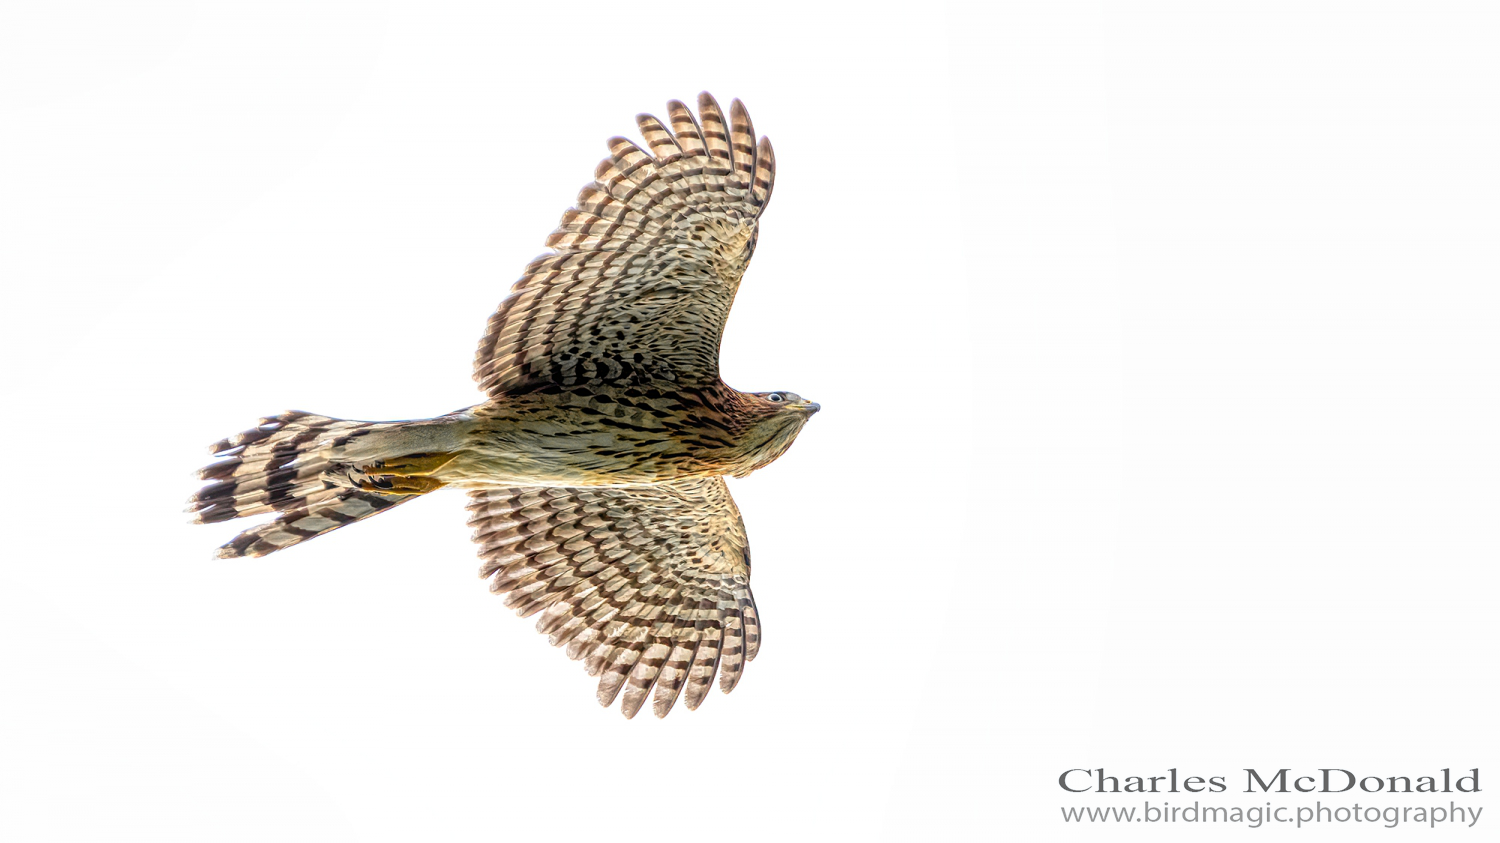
(595, 468)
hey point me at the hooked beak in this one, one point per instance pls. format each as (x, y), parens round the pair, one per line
(808, 407)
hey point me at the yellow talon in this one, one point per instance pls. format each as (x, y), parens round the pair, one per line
(405, 486)
(407, 475)
(412, 465)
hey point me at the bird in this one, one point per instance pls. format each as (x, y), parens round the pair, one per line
(595, 467)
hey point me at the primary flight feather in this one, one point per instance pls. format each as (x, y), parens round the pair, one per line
(595, 467)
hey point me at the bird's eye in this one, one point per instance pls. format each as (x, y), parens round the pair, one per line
(775, 396)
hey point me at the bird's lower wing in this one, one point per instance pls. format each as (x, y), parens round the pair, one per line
(649, 585)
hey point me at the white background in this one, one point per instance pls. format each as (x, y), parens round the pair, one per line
(1157, 345)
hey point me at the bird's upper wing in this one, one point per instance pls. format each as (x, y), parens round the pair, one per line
(647, 262)
(649, 585)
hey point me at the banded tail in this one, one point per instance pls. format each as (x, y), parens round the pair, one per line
(289, 464)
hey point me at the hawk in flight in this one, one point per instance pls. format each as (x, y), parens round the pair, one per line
(595, 467)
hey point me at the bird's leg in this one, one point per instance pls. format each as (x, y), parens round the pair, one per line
(412, 465)
(409, 474)
(403, 485)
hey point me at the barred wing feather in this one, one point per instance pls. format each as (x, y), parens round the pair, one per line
(646, 265)
(649, 585)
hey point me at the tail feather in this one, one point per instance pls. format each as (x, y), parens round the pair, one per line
(279, 466)
(272, 465)
(299, 525)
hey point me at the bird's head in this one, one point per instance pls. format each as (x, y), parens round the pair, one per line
(775, 420)
(782, 403)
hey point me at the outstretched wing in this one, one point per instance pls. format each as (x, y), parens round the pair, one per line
(649, 585)
(647, 262)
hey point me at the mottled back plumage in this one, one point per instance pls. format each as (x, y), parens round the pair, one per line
(595, 468)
